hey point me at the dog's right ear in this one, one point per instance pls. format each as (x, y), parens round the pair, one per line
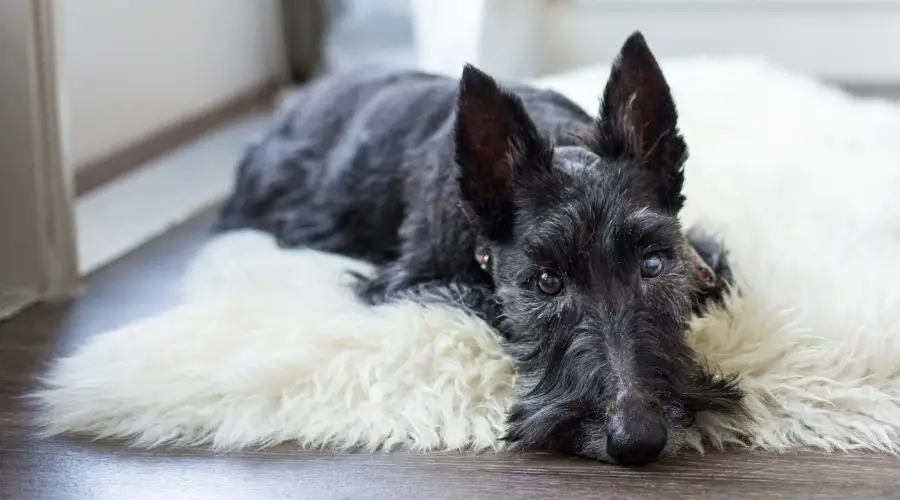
(496, 142)
(638, 120)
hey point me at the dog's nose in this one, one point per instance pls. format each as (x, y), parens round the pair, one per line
(636, 441)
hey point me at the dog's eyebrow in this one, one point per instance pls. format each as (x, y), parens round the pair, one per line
(538, 250)
(645, 223)
(643, 217)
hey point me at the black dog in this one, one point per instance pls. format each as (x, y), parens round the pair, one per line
(561, 231)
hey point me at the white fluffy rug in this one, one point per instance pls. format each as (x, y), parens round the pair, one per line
(802, 181)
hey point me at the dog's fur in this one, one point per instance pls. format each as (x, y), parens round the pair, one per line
(484, 195)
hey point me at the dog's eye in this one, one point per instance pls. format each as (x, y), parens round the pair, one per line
(550, 283)
(652, 266)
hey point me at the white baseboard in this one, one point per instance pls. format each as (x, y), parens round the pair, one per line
(128, 212)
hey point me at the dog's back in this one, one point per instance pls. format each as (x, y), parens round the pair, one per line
(325, 172)
(330, 171)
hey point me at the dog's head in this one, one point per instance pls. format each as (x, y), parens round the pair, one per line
(589, 263)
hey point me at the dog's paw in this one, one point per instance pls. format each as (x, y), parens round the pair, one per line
(715, 255)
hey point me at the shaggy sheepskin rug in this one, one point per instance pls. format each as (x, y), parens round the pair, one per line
(800, 180)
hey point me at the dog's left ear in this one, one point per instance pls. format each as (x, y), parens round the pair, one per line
(638, 121)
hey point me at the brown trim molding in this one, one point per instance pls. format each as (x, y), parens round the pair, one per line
(101, 171)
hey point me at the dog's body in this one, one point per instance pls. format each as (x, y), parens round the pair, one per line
(356, 156)
(362, 164)
(560, 230)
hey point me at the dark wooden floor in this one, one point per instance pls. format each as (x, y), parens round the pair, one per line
(144, 282)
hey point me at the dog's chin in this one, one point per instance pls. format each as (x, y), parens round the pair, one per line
(588, 441)
(565, 428)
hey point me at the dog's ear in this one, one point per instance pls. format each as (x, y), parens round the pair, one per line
(497, 144)
(638, 120)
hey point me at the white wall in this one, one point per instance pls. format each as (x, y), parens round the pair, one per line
(130, 67)
(854, 41)
(844, 40)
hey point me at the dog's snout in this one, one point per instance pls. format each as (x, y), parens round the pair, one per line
(636, 437)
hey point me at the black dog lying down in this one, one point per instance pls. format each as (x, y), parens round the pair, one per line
(560, 230)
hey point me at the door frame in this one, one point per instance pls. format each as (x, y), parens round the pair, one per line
(38, 254)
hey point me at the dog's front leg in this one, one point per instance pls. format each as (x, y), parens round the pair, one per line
(396, 282)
